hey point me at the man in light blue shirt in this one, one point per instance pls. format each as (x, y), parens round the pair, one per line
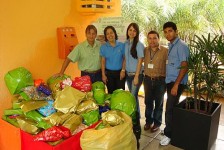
(178, 53)
(176, 74)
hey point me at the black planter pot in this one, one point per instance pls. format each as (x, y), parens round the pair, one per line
(194, 131)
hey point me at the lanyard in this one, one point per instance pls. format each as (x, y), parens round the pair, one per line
(152, 56)
(172, 45)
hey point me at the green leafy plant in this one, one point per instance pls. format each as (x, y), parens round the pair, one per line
(206, 77)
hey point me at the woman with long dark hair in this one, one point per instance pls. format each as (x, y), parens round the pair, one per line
(134, 54)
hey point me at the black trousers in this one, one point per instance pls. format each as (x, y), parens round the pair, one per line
(93, 76)
(113, 81)
(171, 102)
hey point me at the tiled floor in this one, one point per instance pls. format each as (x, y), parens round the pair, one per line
(150, 141)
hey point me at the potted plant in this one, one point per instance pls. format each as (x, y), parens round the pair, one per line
(196, 119)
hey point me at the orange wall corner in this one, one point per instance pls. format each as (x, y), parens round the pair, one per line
(28, 37)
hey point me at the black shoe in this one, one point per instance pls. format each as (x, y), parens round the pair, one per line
(147, 126)
(155, 128)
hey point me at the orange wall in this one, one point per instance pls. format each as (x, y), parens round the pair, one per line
(28, 37)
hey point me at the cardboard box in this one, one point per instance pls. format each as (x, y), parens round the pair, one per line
(9, 136)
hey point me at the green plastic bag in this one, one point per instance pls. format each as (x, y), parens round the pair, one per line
(124, 101)
(99, 96)
(98, 85)
(12, 121)
(91, 117)
(117, 91)
(9, 112)
(107, 96)
(17, 79)
(24, 96)
(100, 126)
(53, 79)
(33, 114)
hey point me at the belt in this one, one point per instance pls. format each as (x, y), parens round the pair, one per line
(113, 71)
(93, 72)
(130, 73)
(156, 78)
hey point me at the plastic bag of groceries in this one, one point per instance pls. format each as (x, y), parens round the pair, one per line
(17, 79)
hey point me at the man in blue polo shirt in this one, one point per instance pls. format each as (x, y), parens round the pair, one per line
(176, 74)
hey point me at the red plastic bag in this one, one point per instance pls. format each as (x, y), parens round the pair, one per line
(52, 134)
(82, 83)
(37, 82)
(65, 131)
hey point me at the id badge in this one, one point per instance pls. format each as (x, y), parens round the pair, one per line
(167, 62)
(150, 66)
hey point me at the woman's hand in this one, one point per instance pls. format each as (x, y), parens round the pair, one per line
(135, 81)
(122, 74)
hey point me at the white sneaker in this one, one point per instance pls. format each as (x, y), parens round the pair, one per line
(165, 141)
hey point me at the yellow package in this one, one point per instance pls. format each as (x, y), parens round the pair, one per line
(120, 137)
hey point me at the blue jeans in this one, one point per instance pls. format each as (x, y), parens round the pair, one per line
(154, 92)
(134, 89)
